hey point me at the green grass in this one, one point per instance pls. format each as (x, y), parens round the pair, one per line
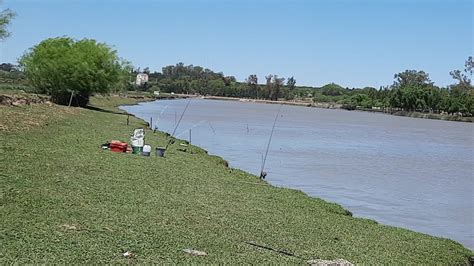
(63, 199)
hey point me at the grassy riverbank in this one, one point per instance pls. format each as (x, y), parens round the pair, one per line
(65, 200)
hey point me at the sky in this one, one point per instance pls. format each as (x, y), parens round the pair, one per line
(354, 43)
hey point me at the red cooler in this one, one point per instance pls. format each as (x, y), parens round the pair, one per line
(118, 146)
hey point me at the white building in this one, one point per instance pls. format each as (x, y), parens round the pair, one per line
(142, 78)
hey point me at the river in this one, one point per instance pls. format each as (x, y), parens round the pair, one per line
(407, 172)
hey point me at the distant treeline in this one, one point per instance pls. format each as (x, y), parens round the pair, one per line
(198, 80)
(411, 91)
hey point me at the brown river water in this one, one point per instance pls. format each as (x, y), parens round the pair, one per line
(407, 172)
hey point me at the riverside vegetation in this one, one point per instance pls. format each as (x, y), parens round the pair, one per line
(63, 199)
(412, 94)
(412, 90)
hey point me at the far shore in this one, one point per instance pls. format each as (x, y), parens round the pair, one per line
(144, 97)
(309, 103)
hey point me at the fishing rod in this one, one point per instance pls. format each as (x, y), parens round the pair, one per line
(181, 117)
(262, 173)
(281, 251)
(177, 124)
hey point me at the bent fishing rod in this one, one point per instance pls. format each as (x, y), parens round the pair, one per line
(262, 173)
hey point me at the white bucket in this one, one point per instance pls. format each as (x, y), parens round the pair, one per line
(147, 148)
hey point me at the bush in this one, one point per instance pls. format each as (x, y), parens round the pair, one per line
(62, 66)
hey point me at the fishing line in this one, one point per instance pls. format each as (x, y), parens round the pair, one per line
(181, 117)
(213, 131)
(193, 126)
(163, 110)
(159, 116)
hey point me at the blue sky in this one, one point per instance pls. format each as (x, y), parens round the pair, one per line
(354, 43)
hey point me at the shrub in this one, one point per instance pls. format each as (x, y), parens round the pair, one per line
(62, 67)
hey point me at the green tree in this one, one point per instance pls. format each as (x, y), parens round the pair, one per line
(62, 66)
(371, 92)
(6, 17)
(412, 78)
(277, 83)
(194, 86)
(461, 94)
(469, 65)
(396, 98)
(291, 83)
(125, 77)
(433, 99)
(268, 86)
(228, 80)
(411, 86)
(252, 82)
(464, 77)
(216, 87)
(332, 89)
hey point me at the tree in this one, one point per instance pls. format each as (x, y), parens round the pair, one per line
(277, 84)
(125, 77)
(464, 79)
(252, 82)
(411, 88)
(412, 78)
(194, 86)
(291, 83)
(460, 77)
(461, 94)
(363, 100)
(216, 86)
(469, 65)
(332, 89)
(6, 17)
(433, 99)
(228, 80)
(62, 67)
(268, 86)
